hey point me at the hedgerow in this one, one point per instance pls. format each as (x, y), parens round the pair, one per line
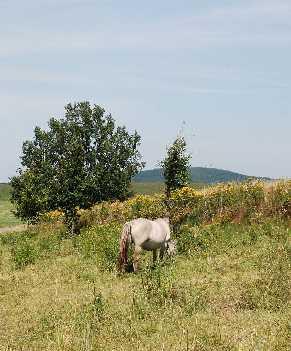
(223, 203)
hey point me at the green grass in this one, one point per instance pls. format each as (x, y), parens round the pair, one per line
(149, 188)
(227, 289)
(7, 218)
(4, 191)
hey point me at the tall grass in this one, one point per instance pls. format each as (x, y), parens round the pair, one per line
(227, 289)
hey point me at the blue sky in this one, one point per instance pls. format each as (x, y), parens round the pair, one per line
(222, 67)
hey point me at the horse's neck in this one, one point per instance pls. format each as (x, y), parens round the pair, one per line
(165, 227)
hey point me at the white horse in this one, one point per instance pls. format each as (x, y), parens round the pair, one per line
(145, 235)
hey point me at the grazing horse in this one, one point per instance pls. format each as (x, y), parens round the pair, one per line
(145, 235)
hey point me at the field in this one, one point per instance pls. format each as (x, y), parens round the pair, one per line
(228, 287)
(7, 218)
(147, 187)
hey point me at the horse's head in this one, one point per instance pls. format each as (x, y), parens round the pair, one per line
(172, 248)
(165, 219)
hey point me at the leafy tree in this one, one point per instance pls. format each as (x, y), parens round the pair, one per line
(80, 160)
(176, 168)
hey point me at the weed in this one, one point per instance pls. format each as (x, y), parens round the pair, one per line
(23, 253)
(157, 284)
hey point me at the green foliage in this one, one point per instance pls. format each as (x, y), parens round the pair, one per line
(100, 243)
(176, 168)
(193, 239)
(80, 160)
(223, 203)
(29, 246)
(157, 284)
(29, 195)
(23, 253)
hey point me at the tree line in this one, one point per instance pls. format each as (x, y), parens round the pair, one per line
(82, 159)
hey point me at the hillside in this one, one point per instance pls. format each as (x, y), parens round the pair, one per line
(198, 174)
(227, 288)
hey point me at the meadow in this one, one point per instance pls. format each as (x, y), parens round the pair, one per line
(7, 218)
(228, 288)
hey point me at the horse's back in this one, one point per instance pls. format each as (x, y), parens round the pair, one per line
(140, 230)
(149, 234)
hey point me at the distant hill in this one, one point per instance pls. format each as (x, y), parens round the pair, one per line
(198, 174)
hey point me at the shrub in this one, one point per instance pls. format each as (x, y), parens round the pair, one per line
(100, 243)
(52, 217)
(189, 240)
(222, 203)
(23, 253)
(35, 243)
(278, 199)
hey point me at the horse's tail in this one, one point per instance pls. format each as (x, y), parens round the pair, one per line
(123, 247)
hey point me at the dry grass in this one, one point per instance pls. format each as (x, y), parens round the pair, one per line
(228, 289)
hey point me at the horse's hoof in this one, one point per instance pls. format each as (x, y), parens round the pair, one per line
(129, 268)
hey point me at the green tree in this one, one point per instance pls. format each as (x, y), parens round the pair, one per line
(80, 160)
(176, 168)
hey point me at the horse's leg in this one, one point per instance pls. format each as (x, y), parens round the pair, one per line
(162, 252)
(137, 251)
(154, 256)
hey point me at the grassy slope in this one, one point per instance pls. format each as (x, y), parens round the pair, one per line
(6, 216)
(229, 292)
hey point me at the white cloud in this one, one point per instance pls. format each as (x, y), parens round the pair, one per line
(256, 23)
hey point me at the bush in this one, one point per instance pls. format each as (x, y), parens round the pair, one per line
(189, 240)
(100, 243)
(222, 203)
(23, 253)
(37, 242)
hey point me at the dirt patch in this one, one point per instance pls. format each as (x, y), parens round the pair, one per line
(16, 228)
